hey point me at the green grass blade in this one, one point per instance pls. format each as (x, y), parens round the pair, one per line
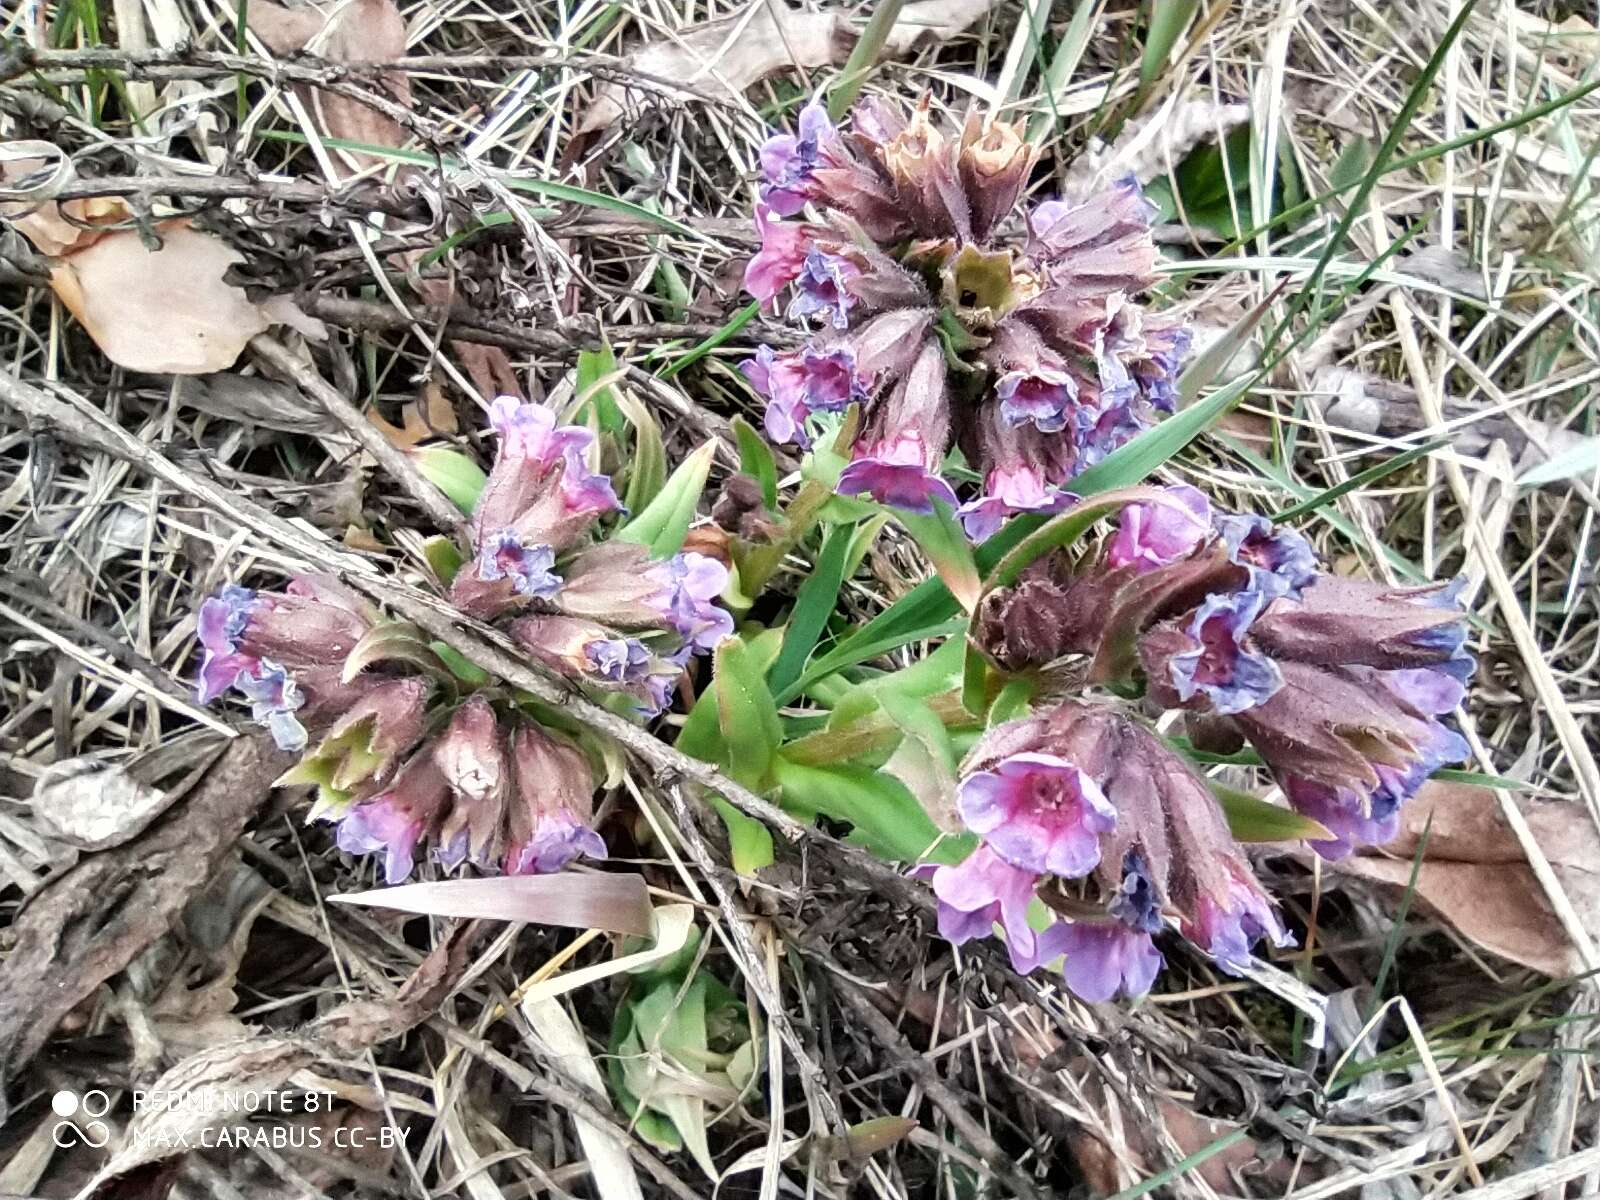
(813, 605)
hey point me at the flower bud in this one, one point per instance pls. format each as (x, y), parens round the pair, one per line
(549, 820)
(471, 755)
(994, 164)
(920, 161)
(363, 748)
(1150, 534)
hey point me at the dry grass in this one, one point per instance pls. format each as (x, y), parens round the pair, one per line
(1481, 330)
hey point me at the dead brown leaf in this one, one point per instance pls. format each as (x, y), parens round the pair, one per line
(724, 57)
(365, 31)
(161, 311)
(1475, 874)
(430, 415)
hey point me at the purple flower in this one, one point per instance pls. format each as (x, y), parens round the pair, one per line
(393, 821)
(782, 254)
(1020, 489)
(1043, 396)
(787, 160)
(986, 890)
(540, 487)
(274, 699)
(802, 382)
(896, 472)
(221, 622)
(1039, 812)
(1227, 926)
(1280, 561)
(1107, 958)
(822, 286)
(550, 821)
(1151, 534)
(529, 433)
(1156, 372)
(1219, 667)
(691, 585)
(503, 556)
(620, 660)
(382, 825)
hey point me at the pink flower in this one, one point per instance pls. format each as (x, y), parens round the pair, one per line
(782, 254)
(1042, 396)
(1151, 534)
(985, 890)
(1038, 812)
(897, 472)
(1019, 489)
(787, 160)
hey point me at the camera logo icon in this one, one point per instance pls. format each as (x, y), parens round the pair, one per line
(80, 1122)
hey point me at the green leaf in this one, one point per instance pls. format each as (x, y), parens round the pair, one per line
(1168, 20)
(1252, 819)
(735, 323)
(746, 714)
(941, 538)
(455, 474)
(1354, 161)
(596, 371)
(749, 841)
(443, 557)
(463, 668)
(394, 641)
(647, 472)
(885, 816)
(665, 521)
(565, 192)
(813, 605)
(756, 461)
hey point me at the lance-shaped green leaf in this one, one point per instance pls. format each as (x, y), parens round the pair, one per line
(664, 522)
(1252, 819)
(455, 474)
(925, 761)
(756, 460)
(647, 469)
(592, 391)
(942, 539)
(814, 603)
(746, 714)
(885, 817)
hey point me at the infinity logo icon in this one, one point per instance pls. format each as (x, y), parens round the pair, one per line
(88, 1129)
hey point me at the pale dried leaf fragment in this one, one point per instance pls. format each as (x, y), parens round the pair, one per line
(93, 806)
(616, 903)
(1476, 877)
(723, 58)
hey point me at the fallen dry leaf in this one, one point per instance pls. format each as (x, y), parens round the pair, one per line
(429, 415)
(724, 57)
(93, 806)
(1476, 877)
(163, 311)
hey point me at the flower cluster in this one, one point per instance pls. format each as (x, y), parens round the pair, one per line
(403, 757)
(949, 316)
(1338, 684)
(1085, 792)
